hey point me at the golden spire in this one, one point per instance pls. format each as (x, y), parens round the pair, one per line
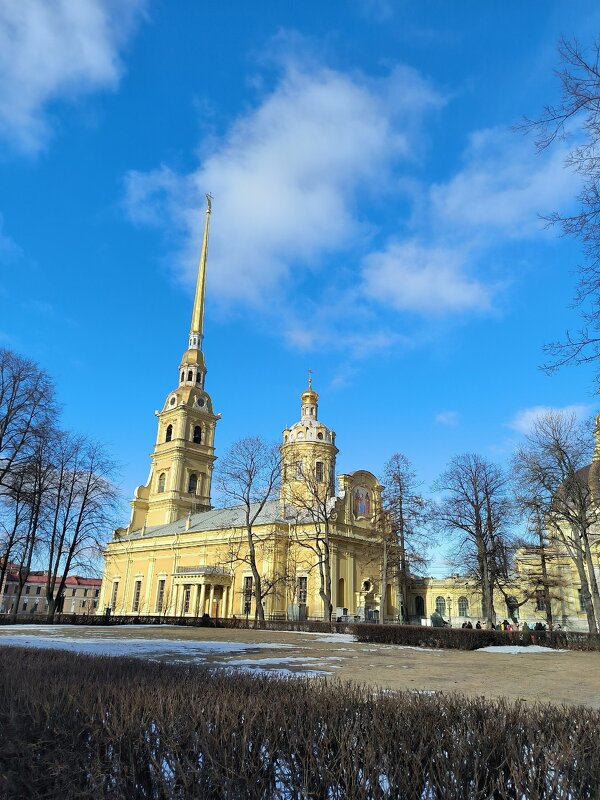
(196, 328)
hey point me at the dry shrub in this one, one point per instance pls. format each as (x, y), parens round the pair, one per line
(472, 639)
(74, 726)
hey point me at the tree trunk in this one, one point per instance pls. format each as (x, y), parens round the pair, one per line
(383, 592)
(593, 583)
(403, 574)
(260, 610)
(544, 567)
(585, 593)
(487, 603)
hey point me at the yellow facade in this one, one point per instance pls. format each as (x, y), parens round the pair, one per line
(180, 556)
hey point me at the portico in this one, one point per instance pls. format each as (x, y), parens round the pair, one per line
(195, 586)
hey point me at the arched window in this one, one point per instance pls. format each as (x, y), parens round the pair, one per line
(193, 483)
(463, 607)
(197, 377)
(169, 435)
(182, 375)
(440, 606)
(298, 470)
(419, 606)
(197, 434)
(161, 482)
(319, 470)
(190, 375)
(320, 435)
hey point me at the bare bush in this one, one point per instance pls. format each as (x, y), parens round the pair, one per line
(81, 726)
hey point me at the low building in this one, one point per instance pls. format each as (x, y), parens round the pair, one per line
(80, 595)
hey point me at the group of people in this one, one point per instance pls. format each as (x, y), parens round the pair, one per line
(505, 625)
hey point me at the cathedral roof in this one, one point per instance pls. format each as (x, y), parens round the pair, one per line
(214, 520)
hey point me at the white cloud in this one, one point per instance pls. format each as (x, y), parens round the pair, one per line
(410, 276)
(503, 187)
(55, 49)
(498, 194)
(448, 418)
(287, 175)
(524, 420)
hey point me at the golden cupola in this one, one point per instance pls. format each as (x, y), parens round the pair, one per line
(308, 454)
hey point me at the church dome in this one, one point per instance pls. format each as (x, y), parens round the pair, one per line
(309, 427)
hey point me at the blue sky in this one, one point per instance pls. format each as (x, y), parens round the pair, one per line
(375, 216)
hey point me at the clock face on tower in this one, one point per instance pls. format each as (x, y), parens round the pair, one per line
(200, 401)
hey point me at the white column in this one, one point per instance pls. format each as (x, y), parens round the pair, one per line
(194, 600)
(225, 602)
(333, 571)
(202, 599)
(211, 598)
(351, 597)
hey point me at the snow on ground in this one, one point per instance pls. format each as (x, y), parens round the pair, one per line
(324, 637)
(82, 628)
(282, 660)
(143, 648)
(518, 650)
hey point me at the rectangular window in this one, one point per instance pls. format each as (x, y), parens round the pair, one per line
(247, 597)
(85, 591)
(319, 470)
(27, 589)
(24, 605)
(187, 593)
(581, 603)
(298, 470)
(83, 603)
(38, 589)
(137, 590)
(95, 603)
(160, 596)
(73, 592)
(96, 592)
(540, 600)
(115, 591)
(302, 589)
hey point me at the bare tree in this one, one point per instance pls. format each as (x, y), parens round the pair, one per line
(576, 119)
(405, 538)
(36, 480)
(476, 508)
(26, 406)
(265, 547)
(536, 578)
(249, 474)
(312, 501)
(551, 468)
(81, 509)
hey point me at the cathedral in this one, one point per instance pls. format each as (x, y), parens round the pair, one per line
(317, 546)
(316, 543)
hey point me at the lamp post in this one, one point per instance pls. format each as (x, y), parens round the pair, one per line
(449, 602)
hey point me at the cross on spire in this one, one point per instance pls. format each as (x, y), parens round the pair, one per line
(310, 372)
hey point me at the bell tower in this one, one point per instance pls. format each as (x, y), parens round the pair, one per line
(182, 460)
(308, 454)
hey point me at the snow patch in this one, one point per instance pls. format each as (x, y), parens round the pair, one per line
(143, 648)
(518, 649)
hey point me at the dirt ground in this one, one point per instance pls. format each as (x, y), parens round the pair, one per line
(555, 677)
